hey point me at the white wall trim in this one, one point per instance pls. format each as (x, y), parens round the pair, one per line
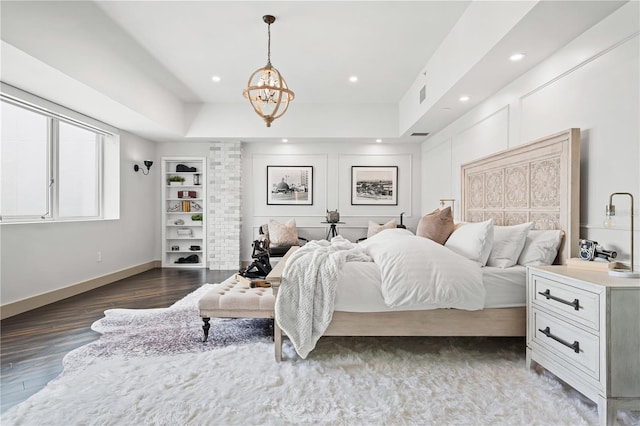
(24, 305)
(580, 65)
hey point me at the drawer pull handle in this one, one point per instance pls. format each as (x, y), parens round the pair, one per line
(575, 346)
(575, 303)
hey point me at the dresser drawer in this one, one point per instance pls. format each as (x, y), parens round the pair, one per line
(564, 299)
(578, 348)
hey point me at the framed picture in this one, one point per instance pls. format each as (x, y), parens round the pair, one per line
(290, 185)
(374, 186)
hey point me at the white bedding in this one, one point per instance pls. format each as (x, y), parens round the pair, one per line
(417, 271)
(359, 288)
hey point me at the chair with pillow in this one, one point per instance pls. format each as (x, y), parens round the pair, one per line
(373, 228)
(280, 237)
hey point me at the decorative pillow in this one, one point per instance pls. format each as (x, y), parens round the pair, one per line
(283, 234)
(473, 241)
(540, 247)
(436, 226)
(508, 242)
(374, 228)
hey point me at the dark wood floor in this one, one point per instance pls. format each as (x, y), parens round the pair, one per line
(34, 343)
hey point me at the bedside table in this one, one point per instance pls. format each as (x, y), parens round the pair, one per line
(584, 327)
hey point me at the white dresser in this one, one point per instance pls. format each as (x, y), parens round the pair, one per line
(584, 327)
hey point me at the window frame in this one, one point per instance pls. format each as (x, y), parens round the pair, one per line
(43, 107)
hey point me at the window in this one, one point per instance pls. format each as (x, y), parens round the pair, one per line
(52, 167)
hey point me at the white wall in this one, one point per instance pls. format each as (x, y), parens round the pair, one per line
(332, 187)
(593, 84)
(40, 258)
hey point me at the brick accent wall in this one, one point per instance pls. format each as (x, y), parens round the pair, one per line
(225, 202)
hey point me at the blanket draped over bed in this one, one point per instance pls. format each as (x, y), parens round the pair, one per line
(415, 271)
(304, 306)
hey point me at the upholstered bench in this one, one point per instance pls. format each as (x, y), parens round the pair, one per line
(233, 299)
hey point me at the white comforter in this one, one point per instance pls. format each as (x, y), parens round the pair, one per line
(415, 271)
(418, 271)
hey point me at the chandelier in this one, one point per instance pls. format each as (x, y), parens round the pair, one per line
(266, 90)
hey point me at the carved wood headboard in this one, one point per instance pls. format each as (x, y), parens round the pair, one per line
(536, 182)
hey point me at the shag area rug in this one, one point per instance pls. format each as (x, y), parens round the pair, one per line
(150, 367)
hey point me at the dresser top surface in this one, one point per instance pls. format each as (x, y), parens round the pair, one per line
(594, 277)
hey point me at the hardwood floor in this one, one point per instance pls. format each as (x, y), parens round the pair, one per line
(34, 343)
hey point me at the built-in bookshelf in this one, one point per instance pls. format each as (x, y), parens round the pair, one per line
(184, 219)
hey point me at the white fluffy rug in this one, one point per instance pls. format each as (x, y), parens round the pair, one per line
(149, 367)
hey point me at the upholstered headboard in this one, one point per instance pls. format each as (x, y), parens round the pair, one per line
(536, 182)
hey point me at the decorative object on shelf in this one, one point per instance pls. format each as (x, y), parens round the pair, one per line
(175, 248)
(187, 194)
(175, 208)
(269, 94)
(196, 179)
(610, 222)
(185, 232)
(289, 185)
(196, 217)
(374, 186)
(333, 216)
(195, 207)
(147, 164)
(175, 179)
(178, 222)
(194, 248)
(180, 168)
(189, 259)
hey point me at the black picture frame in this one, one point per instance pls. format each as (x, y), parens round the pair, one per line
(290, 185)
(374, 185)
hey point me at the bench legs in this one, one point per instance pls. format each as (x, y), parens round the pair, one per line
(205, 327)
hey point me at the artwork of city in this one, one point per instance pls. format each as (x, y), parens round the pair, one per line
(289, 185)
(374, 185)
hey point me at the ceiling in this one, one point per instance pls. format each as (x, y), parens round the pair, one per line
(317, 45)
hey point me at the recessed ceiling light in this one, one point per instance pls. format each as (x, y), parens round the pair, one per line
(464, 98)
(285, 140)
(216, 78)
(353, 78)
(517, 57)
(379, 140)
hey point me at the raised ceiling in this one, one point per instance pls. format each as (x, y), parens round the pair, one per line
(152, 62)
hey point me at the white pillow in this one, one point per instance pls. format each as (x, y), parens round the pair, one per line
(374, 228)
(283, 235)
(508, 242)
(473, 241)
(540, 247)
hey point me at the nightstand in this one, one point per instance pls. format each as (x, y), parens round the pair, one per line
(584, 327)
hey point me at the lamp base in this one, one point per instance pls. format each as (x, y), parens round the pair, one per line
(624, 273)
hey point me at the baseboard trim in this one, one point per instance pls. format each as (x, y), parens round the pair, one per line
(24, 305)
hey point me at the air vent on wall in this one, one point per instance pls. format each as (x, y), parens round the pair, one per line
(423, 93)
(419, 134)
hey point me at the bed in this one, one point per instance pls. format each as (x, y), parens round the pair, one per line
(536, 182)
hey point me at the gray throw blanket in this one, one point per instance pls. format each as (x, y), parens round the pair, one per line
(304, 306)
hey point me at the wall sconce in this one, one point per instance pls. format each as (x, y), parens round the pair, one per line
(147, 164)
(447, 202)
(609, 222)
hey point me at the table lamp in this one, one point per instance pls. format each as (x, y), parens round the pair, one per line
(609, 222)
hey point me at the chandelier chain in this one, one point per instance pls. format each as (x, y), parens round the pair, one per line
(269, 45)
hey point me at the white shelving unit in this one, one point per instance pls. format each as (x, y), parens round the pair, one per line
(183, 234)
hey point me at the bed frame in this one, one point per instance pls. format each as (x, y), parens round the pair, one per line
(536, 182)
